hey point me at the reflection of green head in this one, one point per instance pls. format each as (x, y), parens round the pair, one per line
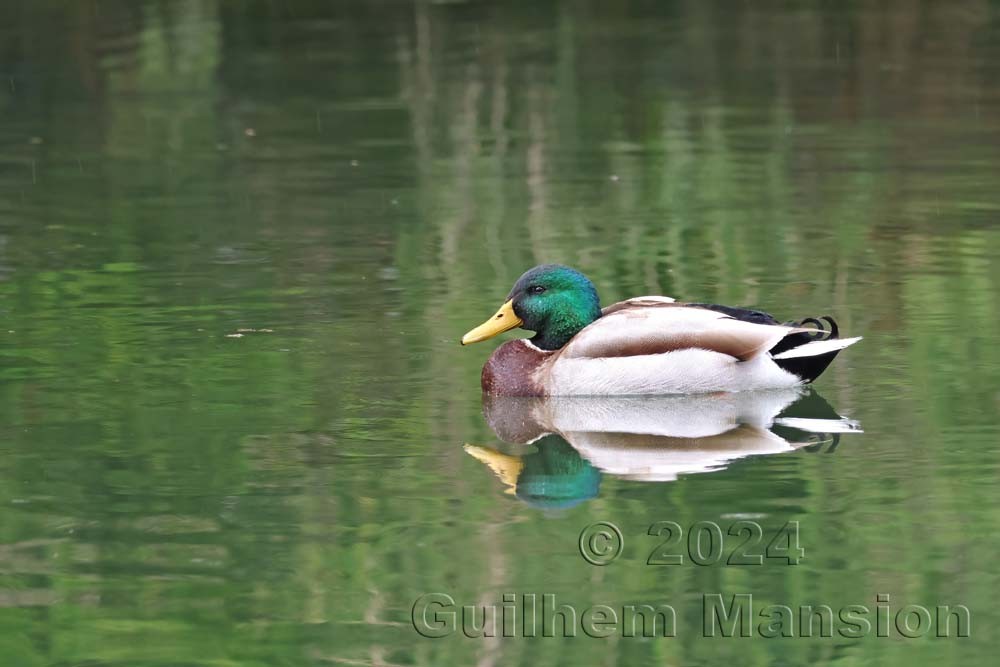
(556, 476)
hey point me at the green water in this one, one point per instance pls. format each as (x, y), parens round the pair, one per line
(240, 240)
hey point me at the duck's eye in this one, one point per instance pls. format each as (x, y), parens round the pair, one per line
(536, 289)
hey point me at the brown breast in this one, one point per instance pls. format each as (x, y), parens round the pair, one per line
(515, 369)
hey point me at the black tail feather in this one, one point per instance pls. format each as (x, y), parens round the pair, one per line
(808, 368)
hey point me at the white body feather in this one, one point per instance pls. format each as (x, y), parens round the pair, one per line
(671, 416)
(687, 371)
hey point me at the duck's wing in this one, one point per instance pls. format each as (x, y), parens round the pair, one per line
(638, 301)
(744, 314)
(643, 326)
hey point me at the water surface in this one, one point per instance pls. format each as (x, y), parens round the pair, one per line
(240, 240)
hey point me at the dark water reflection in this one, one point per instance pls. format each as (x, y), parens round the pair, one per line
(239, 241)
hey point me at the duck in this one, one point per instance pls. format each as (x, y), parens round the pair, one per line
(646, 345)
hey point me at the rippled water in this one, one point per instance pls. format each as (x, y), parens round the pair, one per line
(240, 241)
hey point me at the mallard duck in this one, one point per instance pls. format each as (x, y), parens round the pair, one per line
(644, 345)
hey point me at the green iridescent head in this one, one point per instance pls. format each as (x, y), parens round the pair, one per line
(552, 300)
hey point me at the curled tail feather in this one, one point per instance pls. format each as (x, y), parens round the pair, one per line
(807, 354)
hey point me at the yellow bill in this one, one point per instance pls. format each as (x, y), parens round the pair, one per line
(504, 320)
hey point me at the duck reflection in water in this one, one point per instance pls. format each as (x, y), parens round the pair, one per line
(573, 440)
